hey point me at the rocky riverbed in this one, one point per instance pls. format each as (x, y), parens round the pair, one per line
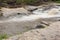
(14, 21)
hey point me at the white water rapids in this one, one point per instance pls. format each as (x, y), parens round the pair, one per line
(37, 14)
(49, 13)
(12, 23)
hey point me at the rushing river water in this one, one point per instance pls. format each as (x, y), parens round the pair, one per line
(48, 12)
(43, 12)
(12, 23)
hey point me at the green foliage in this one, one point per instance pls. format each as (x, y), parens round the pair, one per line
(25, 1)
(58, 1)
(30, 1)
(3, 36)
(20, 2)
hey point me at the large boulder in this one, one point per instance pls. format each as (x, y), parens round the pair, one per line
(50, 33)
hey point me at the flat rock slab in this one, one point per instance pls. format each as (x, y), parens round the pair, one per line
(50, 33)
(15, 25)
(18, 25)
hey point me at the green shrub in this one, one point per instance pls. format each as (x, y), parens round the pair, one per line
(3, 36)
(26, 1)
(30, 1)
(58, 1)
(19, 1)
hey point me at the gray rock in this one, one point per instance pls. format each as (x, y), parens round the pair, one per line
(14, 11)
(31, 8)
(17, 25)
(50, 33)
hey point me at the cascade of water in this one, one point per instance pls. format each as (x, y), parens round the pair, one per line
(52, 12)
